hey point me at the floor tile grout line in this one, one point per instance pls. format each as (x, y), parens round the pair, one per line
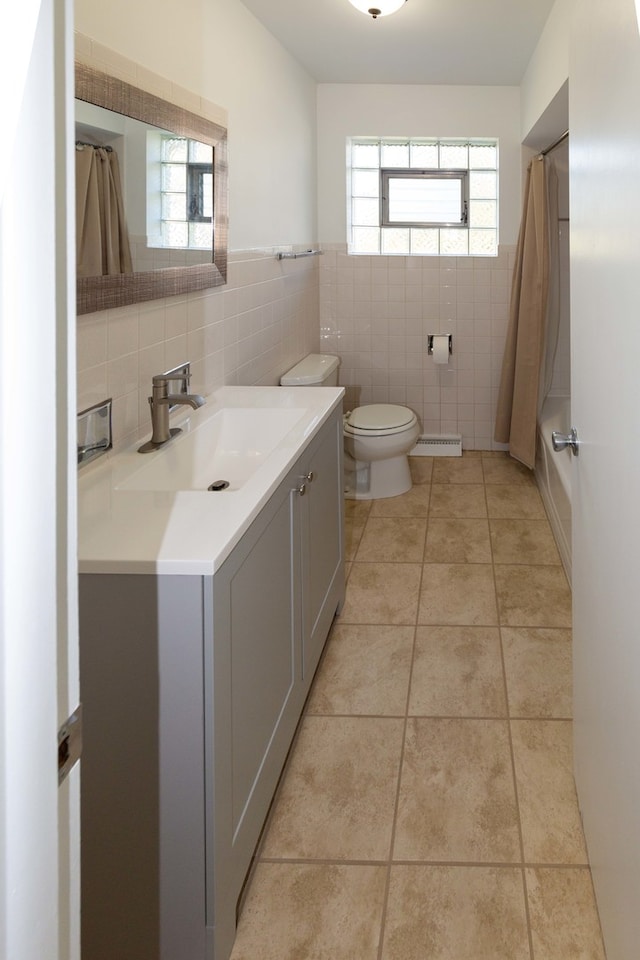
(409, 623)
(523, 874)
(394, 823)
(493, 864)
(486, 864)
(390, 863)
(385, 902)
(459, 563)
(356, 546)
(437, 716)
(426, 532)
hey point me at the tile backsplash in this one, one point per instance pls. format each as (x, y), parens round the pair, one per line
(248, 332)
(374, 312)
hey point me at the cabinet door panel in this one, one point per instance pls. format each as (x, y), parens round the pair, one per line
(273, 601)
(262, 656)
(324, 575)
(256, 697)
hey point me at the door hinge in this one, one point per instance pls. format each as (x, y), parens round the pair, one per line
(69, 743)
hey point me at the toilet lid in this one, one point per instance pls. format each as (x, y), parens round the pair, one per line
(380, 416)
(311, 370)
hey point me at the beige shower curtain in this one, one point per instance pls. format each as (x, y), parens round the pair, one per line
(516, 417)
(102, 240)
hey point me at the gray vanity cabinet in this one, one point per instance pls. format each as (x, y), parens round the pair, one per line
(322, 551)
(192, 688)
(253, 696)
(274, 601)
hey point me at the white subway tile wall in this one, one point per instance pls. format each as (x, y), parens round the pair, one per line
(376, 313)
(249, 332)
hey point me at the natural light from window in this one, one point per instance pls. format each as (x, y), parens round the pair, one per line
(422, 197)
(186, 193)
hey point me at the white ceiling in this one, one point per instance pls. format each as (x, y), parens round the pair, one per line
(426, 41)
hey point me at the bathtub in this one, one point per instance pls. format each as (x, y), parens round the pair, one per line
(553, 473)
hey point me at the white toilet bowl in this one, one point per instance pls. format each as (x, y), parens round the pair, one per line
(377, 436)
(377, 439)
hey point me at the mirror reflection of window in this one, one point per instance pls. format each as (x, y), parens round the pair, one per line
(133, 122)
(187, 193)
(167, 193)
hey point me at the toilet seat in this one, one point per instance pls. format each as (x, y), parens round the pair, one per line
(378, 420)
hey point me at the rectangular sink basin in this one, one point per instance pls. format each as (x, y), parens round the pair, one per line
(228, 448)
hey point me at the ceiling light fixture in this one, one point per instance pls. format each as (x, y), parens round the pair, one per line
(378, 8)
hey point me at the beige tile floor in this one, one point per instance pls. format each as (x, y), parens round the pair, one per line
(428, 809)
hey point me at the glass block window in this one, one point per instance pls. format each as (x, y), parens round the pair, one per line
(186, 193)
(422, 197)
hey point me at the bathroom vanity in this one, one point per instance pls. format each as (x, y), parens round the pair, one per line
(203, 614)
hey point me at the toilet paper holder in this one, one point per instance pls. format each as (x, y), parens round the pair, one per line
(430, 337)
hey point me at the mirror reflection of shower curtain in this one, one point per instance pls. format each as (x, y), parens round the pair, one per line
(553, 298)
(517, 409)
(102, 239)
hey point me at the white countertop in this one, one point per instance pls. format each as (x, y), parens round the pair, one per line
(192, 531)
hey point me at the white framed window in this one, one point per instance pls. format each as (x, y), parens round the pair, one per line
(422, 197)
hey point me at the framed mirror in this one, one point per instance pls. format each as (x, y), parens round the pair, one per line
(173, 170)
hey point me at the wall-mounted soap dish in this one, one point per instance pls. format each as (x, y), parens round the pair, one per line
(94, 436)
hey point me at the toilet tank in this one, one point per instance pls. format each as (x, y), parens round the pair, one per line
(314, 370)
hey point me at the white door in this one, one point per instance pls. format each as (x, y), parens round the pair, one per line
(39, 823)
(604, 119)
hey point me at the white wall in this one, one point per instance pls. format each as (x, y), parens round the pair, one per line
(221, 52)
(544, 95)
(397, 110)
(376, 312)
(545, 77)
(266, 317)
(252, 330)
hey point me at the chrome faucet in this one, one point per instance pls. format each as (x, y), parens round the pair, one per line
(160, 401)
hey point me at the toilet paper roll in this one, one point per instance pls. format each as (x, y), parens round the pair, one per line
(441, 349)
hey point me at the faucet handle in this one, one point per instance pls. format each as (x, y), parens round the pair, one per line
(161, 378)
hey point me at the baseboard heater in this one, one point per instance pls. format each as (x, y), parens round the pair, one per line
(438, 445)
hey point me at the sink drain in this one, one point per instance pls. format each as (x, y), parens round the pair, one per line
(218, 485)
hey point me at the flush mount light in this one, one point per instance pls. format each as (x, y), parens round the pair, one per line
(378, 8)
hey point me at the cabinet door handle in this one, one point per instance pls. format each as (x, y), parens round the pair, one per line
(309, 476)
(302, 489)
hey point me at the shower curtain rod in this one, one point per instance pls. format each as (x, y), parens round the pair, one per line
(556, 143)
(96, 146)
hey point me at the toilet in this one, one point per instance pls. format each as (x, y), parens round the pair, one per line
(377, 436)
